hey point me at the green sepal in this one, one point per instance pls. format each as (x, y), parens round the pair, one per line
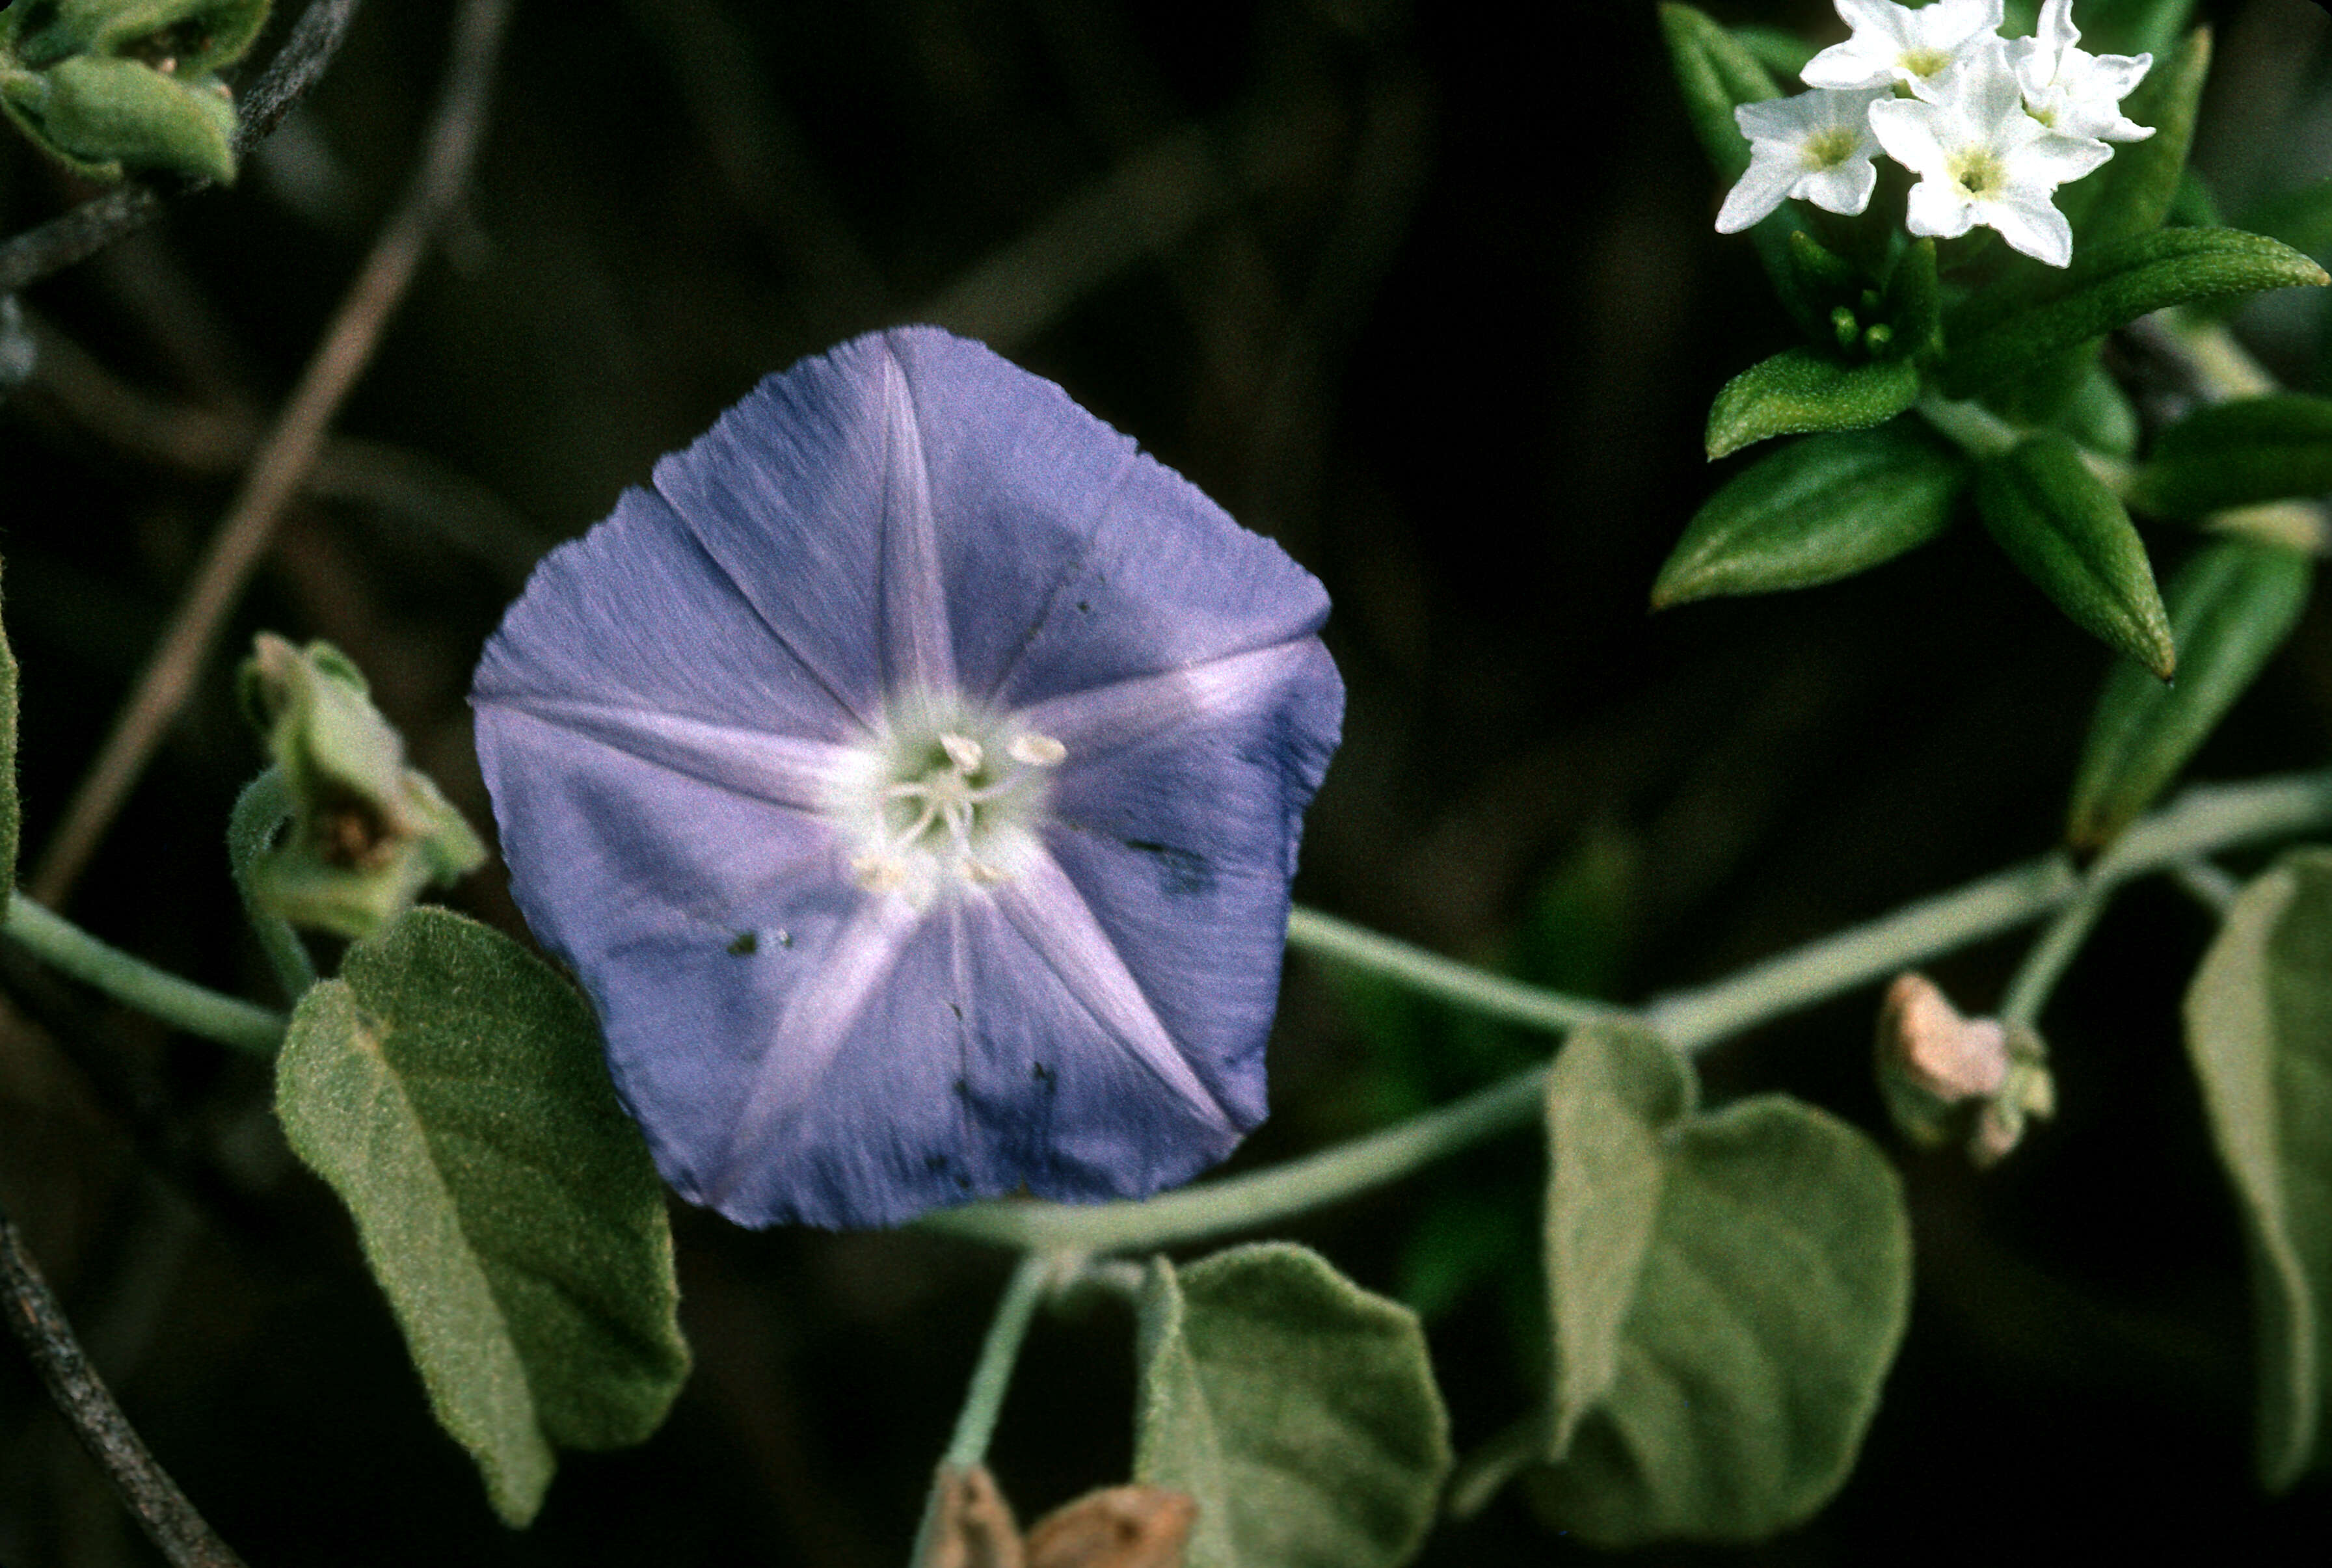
(2231, 607)
(1729, 1292)
(368, 832)
(2258, 1032)
(1914, 302)
(2238, 453)
(1797, 391)
(2111, 287)
(102, 116)
(2069, 534)
(2133, 193)
(2134, 26)
(193, 36)
(452, 1091)
(1818, 510)
(11, 818)
(1297, 1409)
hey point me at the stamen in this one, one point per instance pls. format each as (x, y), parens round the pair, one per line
(1036, 750)
(963, 752)
(876, 873)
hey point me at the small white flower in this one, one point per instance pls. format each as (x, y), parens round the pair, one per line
(1894, 44)
(1816, 147)
(2072, 91)
(1981, 159)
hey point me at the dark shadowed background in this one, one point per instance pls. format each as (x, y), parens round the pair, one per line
(1433, 300)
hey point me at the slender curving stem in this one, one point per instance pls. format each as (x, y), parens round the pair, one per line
(2201, 822)
(153, 991)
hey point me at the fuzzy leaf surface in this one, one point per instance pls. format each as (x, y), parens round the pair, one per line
(2069, 534)
(2258, 1030)
(1797, 391)
(2230, 606)
(1818, 510)
(1298, 1409)
(1767, 1308)
(2112, 286)
(451, 1089)
(2238, 453)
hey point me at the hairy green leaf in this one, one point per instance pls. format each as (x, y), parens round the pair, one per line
(1297, 1409)
(451, 1089)
(10, 817)
(1915, 302)
(1614, 1090)
(1767, 1308)
(2134, 26)
(102, 115)
(1716, 73)
(2099, 415)
(2231, 607)
(2259, 1029)
(2068, 533)
(2112, 286)
(1797, 391)
(2237, 453)
(192, 35)
(1820, 508)
(2133, 194)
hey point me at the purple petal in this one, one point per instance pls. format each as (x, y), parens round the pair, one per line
(636, 613)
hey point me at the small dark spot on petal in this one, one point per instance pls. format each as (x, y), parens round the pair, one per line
(745, 945)
(963, 1088)
(934, 1161)
(957, 1008)
(1041, 1073)
(964, 1182)
(1179, 871)
(1084, 608)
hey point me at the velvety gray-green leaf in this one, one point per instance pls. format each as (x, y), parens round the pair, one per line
(1797, 391)
(2231, 607)
(1614, 1090)
(2112, 286)
(2132, 195)
(105, 114)
(2259, 1029)
(1818, 510)
(192, 35)
(451, 1089)
(2068, 533)
(2238, 453)
(1770, 1305)
(1297, 1409)
(10, 821)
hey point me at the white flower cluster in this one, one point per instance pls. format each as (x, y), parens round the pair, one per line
(1991, 126)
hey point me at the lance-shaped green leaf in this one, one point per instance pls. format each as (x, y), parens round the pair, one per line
(1298, 1409)
(2238, 453)
(1914, 302)
(2259, 1029)
(2301, 219)
(2111, 287)
(1716, 73)
(2068, 533)
(1820, 508)
(2133, 194)
(10, 821)
(2099, 415)
(2231, 607)
(1797, 391)
(451, 1089)
(1767, 1305)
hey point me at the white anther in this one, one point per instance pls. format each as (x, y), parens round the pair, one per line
(876, 873)
(963, 752)
(1036, 750)
(983, 874)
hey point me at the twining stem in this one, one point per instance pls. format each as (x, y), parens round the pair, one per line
(2200, 822)
(2045, 964)
(1359, 948)
(170, 1521)
(976, 1423)
(133, 981)
(260, 813)
(2207, 883)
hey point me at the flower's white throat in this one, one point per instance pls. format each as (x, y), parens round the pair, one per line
(942, 798)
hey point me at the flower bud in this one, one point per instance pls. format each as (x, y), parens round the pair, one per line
(368, 833)
(1940, 1072)
(106, 85)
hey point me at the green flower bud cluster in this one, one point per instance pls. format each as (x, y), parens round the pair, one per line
(110, 85)
(367, 832)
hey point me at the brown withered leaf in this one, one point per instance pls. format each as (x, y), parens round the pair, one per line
(1117, 1527)
(970, 1524)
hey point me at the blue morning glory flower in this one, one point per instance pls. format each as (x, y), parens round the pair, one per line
(913, 777)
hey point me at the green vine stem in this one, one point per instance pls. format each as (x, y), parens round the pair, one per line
(2201, 822)
(134, 981)
(260, 813)
(998, 1354)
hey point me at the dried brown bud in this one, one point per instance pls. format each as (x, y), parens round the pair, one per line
(1118, 1527)
(1947, 1055)
(970, 1526)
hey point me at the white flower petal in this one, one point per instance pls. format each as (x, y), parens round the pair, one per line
(1846, 65)
(1937, 210)
(2051, 161)
(1844, 187)
(1761, 188)
(1907, 128)
(2030, 224)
